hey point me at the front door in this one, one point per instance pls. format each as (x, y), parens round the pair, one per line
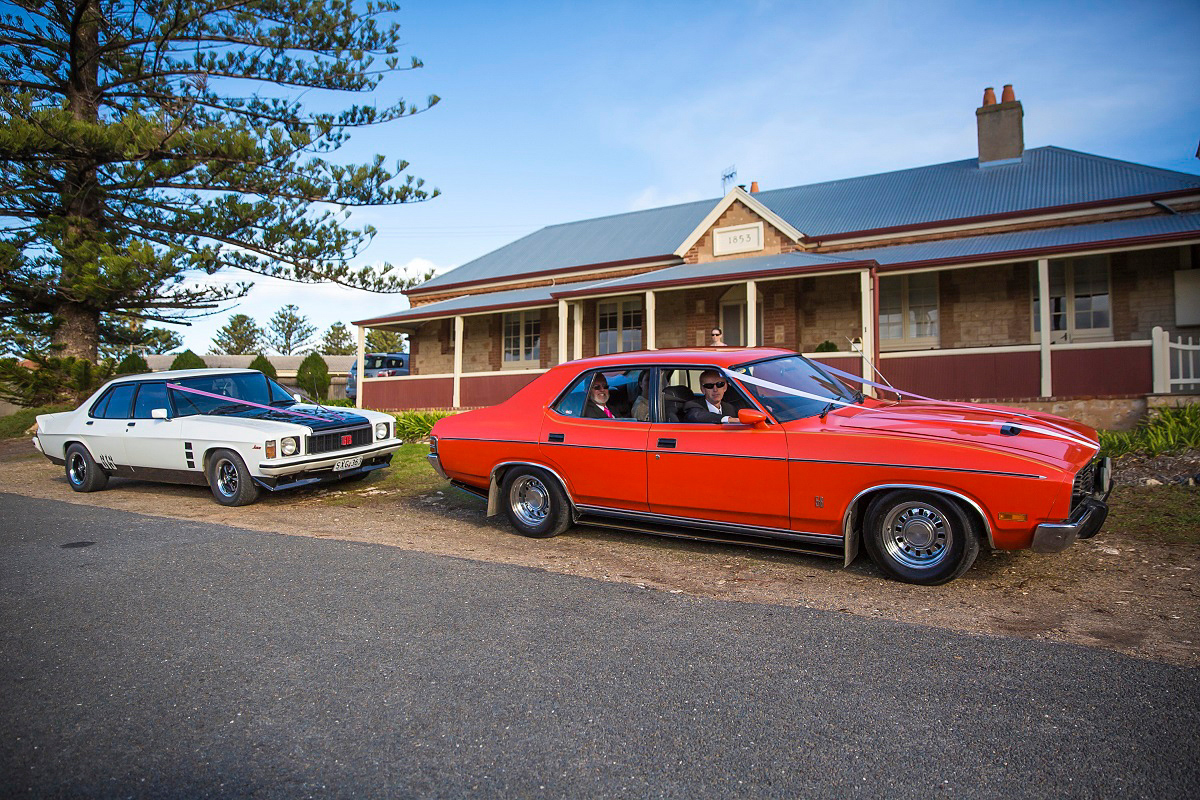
(714, 472)
(152, 444)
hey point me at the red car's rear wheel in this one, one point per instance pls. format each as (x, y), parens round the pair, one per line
(534, 502)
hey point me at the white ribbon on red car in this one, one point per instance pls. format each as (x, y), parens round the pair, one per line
(1038, 426)
(1075, 435)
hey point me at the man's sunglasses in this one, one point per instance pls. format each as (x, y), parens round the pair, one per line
(717, 385)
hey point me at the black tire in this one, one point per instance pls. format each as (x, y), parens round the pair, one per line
(920, 537)
(230, 480)
(535, 503)
(83, 473)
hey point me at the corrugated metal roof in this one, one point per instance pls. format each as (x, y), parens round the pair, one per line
(709, 271)
(513, 298)
(623, 237)
(1046, 177)
(1076, 236)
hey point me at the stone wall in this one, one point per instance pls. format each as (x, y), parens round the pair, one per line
(985, 306)
(828, 308)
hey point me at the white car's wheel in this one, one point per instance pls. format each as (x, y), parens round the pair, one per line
(83, 473)
(230, 480)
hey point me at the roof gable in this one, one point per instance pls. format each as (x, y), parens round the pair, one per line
(737, 195)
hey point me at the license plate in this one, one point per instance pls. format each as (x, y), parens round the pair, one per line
(347, 463)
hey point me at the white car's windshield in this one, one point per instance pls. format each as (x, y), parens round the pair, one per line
(801, 375)
(248, 386)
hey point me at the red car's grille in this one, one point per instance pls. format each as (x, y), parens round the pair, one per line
(338, 440)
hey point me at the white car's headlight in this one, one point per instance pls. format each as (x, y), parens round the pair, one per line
(289, 446)
(381, 430)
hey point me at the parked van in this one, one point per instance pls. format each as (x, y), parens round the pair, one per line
(378, 365)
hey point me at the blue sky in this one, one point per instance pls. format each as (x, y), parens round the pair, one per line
(553, 112)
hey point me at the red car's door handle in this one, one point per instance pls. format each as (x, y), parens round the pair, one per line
(556, 437)
(666, 443)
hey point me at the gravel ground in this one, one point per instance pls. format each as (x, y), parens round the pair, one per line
(1133, 596)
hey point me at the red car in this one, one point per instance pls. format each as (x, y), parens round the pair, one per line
(761, 446)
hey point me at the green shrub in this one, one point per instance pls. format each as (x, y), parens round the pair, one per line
(412, 425)
(341, 402)
(18, 422)
(1167, 430)
(132, 364)
(264, 365)
(313, 376)
(188, 360)
(52, 380)
(826, 347)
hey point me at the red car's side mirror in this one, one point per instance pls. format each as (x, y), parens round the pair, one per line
(752, 416)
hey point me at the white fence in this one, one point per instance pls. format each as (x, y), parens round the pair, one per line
(1176, 364)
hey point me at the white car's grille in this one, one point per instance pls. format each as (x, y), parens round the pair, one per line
(338, 440)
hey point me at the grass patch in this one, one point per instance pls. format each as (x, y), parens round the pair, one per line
(409, 477)
(1166, 514)
(17, 423)
(1168, 430)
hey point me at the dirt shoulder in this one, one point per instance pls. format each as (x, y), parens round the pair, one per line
(1125, 590)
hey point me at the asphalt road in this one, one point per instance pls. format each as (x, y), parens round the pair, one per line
(176, 659)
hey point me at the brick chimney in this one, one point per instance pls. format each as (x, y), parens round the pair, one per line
(1001, 130)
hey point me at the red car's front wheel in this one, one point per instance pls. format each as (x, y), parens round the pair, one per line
(920, 537)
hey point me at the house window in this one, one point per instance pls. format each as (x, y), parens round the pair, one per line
(522, 339)
(1079, 301)
(732, 310)
(619, 326)
(908, 311)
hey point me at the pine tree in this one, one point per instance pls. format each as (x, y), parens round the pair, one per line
(338, 341)
(142, 140)
(381, 341)
(237, 337)
(288, 332)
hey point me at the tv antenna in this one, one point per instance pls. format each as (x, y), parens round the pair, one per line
(728, 176)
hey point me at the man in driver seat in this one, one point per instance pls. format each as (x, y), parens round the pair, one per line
(713, 407)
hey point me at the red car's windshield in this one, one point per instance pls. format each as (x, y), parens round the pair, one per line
(791, 375)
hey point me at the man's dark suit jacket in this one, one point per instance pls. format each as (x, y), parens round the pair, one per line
(697, 411)
(593, 411)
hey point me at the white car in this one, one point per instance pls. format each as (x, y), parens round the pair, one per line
(234, 430)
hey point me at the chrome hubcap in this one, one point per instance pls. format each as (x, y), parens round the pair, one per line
(227, 478)
(77, 471)
(529, 500)
(917, 535)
